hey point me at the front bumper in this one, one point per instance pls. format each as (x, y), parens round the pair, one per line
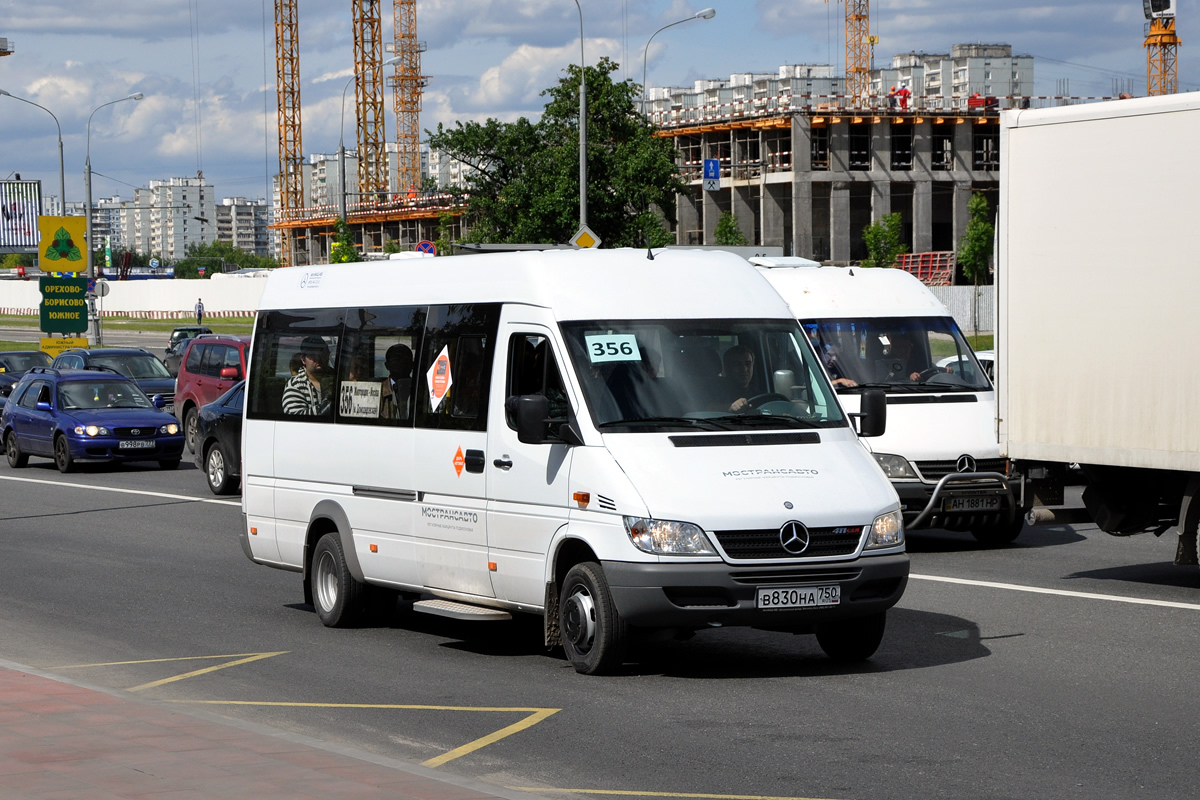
(712, 594)
(108, 448)
(928, 505)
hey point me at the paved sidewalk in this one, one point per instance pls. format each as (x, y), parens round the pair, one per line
(61, 739)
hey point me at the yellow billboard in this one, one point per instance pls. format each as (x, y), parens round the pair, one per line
(62, 243)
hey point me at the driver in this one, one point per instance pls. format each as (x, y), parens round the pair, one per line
(737, 377)
(900, 351)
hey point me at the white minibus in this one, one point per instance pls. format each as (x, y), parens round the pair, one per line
(884, 329)
(624, 442)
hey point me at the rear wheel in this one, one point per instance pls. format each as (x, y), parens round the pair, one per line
(853, 639)
(62, 454)
(191, 428)
(16, 458)
(337, 595)
(216, 470)
(593, 633)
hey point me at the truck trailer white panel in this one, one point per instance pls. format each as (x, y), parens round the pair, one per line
(1098, 284)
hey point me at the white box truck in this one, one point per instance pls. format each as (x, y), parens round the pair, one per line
(1096, 293)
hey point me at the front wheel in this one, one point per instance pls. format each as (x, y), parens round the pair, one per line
(337, 595)
(593, 633)
(62, 455)
(853, 639)
(16, 458)
(191, 428)
(216, 471)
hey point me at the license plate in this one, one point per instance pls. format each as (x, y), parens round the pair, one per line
(971, 504)
(800, 596)
(136, 444)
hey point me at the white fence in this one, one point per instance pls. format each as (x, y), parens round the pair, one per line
(970, 305)
(223, 297)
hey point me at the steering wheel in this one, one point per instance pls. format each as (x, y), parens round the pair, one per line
(760, 399)
(929, 373)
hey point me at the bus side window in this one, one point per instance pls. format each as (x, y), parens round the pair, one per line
(455, 366)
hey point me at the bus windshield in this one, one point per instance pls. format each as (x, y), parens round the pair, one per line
(710, 374)
(899, 354)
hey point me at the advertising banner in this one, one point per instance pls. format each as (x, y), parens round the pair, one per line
(20, 204)
(64, 305)
(61, 249)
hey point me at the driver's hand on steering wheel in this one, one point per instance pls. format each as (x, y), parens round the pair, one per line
(739, 404)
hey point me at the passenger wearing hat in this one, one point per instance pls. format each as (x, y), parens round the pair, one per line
(307, 392)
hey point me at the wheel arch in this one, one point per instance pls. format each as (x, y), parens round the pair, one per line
(569, 552)
(329, 517)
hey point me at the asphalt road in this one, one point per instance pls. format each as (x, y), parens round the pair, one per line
(1061, 667)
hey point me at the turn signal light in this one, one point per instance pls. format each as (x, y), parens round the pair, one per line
(582, 498)
(374, 548)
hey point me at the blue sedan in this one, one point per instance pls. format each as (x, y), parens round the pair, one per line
(87, 415)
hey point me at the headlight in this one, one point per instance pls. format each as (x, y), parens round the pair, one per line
(895, 466)
(91, 430)
(886, 531)
(170, 428)
(662, 537)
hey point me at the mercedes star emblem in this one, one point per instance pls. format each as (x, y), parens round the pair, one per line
(793, 536)
(965, 464)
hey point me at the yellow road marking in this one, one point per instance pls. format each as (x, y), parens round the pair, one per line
(162, 660)
(536, 715)
(206, 670)
(627, 793)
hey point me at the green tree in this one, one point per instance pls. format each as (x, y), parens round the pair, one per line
(883, 242)
(392, 246)
(524, 186)
(445, 233)
(217, 257)
(975, 249)
(343, 249)
(728, 233)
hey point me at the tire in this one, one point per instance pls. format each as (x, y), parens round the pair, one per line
(593, 633)
(1001, 533)
(169, 463)
(62, 454)
(216, 471)
(337, 596)
(191, 427)
(853, 640)
(16, 459)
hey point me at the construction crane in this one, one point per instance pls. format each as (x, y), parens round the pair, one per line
(858, 51)
(368, 93)
(407, 86)
(287, 87)
(1162, 47)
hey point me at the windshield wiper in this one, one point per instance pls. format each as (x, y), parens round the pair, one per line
(897, 387)
(690, 422)
(755, 419)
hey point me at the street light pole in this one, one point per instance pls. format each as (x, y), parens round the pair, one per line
(341, 140)
(582, 126)
(93, 333)
(707, 13)
(62, 192)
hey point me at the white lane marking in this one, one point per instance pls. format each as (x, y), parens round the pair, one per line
(1061, 592)
(124, 491)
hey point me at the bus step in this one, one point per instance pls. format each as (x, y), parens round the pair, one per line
(449, 608)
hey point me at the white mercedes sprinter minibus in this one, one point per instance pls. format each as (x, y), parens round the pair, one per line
(554, 433)
(883, 329)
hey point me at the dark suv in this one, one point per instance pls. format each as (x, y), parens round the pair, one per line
(211, 366)
(91, 414)
(140, 365)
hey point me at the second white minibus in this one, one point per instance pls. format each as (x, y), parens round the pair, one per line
(622, 442)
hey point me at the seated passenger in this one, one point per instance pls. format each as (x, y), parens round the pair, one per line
(397, 386)
(309, 391)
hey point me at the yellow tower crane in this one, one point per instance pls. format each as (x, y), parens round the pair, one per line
(368, 93)
(1162, 47)
(291, 152)
(407, 86)
(858, 51)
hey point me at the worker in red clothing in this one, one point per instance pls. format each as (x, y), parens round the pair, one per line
(903, 96)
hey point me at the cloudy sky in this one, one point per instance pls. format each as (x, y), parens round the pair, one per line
(207, 67)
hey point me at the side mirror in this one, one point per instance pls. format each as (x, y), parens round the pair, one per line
(532, 410)
(157, 401)
(782, 382)
(231, 373)
(872, 416)
(42, 405)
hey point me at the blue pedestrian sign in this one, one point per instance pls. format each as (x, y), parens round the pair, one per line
(712, 175)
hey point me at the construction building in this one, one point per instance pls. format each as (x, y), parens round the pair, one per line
(807, 168)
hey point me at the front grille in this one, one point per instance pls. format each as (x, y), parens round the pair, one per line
(796, 576)
(934, 470)
(142, 431)
(764, 543)
(746, 439)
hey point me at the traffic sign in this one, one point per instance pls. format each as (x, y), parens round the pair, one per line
(712, 174)
(585, 238)
(426, 246)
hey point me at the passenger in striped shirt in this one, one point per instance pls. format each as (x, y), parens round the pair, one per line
(308, 391)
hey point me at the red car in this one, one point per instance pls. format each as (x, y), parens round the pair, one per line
(211, 365)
